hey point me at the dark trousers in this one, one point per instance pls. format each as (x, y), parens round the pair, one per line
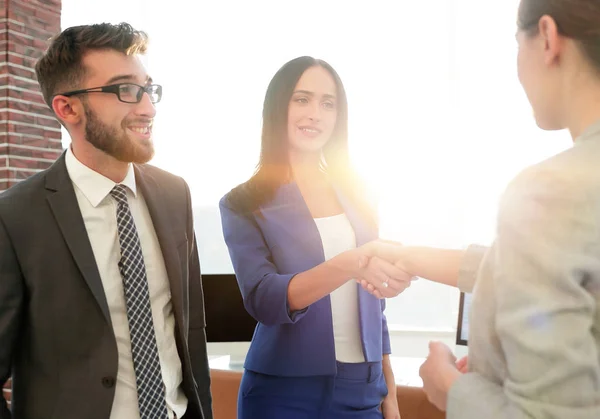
(356, 391)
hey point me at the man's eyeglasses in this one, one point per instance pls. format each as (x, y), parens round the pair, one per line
(126, 92)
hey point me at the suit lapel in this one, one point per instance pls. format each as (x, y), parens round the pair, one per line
(65, 208)
(292, 219)
(363, 232)
(164, 231)
(288, 212)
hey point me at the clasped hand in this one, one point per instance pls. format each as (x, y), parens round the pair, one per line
(380, 272)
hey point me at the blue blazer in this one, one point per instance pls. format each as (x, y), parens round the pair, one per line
(266, 253)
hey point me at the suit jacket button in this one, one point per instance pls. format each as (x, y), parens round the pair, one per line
(108, 382)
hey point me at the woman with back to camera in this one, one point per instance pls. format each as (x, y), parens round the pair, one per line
(534, 335)
(298, 234)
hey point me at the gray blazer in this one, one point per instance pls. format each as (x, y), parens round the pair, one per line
(55, 327)
(534, 338)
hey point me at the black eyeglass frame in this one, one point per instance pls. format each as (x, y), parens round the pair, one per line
(116, 89)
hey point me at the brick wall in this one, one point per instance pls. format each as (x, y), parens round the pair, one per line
(30, 138)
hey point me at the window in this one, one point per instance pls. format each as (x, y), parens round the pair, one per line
(438, 121)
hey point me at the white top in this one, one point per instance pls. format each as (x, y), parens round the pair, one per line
(99, 211)
(338, 236)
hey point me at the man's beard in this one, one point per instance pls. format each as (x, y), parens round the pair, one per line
(116, 143)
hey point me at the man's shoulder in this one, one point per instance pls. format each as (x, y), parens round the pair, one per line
(27, 191)
(24, 191)
(160, 175)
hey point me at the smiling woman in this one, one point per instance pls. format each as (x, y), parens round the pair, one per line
(298, 233)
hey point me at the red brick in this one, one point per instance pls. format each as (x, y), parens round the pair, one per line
(47, 15)
(26, 120)
(51, 6)
(23, 83)
(25, 12)
(48, 123)
(22, 6)
(53, 136)
(35, 107)
(41, 44)
(38, 154)
(39, 32)
(18, 71)
(34, 142)
(17, 117)
(29, 96)
(28, 51)
(14, 59)
(28, 129)
(27, 164)
(18, 37)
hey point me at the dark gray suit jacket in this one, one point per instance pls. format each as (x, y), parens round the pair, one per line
(56, 336)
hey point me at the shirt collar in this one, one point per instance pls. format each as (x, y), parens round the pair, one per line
(94, 186)
(590, 132)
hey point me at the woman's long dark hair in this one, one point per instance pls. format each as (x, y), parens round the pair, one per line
(273, 168)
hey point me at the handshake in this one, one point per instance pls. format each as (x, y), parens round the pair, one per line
(381, 270)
